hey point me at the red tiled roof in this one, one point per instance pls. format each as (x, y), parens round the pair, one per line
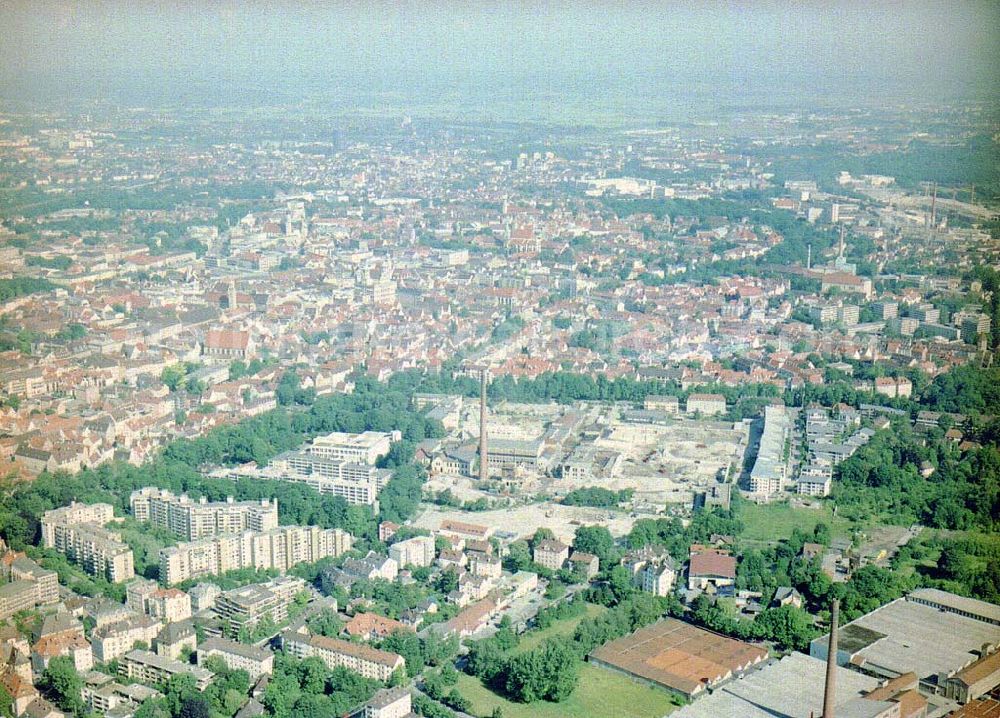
(463, 528)
(711, 563)
(366, 623)
(473, 616)
(843, 278)
(358, 650)
(225, 339)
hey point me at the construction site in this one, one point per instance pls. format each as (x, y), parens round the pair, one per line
(529, 456)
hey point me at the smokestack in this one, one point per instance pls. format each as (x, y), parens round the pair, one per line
(934, 206)
(830, 689)
(809, 257)
(483, 460)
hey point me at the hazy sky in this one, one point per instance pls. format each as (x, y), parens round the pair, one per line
(169, 52)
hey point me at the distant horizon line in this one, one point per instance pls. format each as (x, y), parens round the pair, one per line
(540, 107)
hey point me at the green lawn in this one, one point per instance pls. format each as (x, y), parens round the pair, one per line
(771, 522)
(563, 627)
(598, 694)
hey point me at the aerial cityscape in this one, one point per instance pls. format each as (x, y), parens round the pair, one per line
(500, 361)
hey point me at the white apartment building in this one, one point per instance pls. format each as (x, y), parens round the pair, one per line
(417, 551)
(28, 585)
(169, 604)
(279, 548)
(357, 483)
(707, 404)
(485, 566)
(191, 520)
(657, 578)
(770, 470)
(116, 639)
(248, 605)
(364, 448)
(78, 532)
(147, 667)
(551, 554)
(97, 551)
(138, 592)
(237, 656)
(369, 662)
(75, 513)
(388, 703)
(652, 569)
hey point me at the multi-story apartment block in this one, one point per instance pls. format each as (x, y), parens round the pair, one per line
(279, 548)
(147, 667)
(17, 596)
(843, 212)
(707, 404)
(417, 551)
(668, 404)
(485, 566)
(75, 513)
(97, 551)
(103, 694)
(886, 309)
(657, 578)
(357, 483)
(104, 613)
(815, 483)
(247, 606)
(191, 520)
(551, 554)
(29, 585)
(364, 448)
(770, 469)
(69, 644)
(974, 326)
(237, 656)
(175, 638)
(169, 605)
(387, 703)
(848, 314)
(77, 531)
(652, 569)
(823, 313)
(893, 386)
(138, 592)
(926, 313)
(203, 596)
(369, 662)
(116, 639)
(905, 326)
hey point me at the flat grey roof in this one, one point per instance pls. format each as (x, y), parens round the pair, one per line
(168, 665)
(959, 603)
(789, 688)
(224, 645)
(918, 638)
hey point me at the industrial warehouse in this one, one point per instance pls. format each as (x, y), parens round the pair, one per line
(678, 656)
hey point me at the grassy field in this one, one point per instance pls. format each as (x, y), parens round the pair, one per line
(564, 627)
(599, 694)
(771, 522)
